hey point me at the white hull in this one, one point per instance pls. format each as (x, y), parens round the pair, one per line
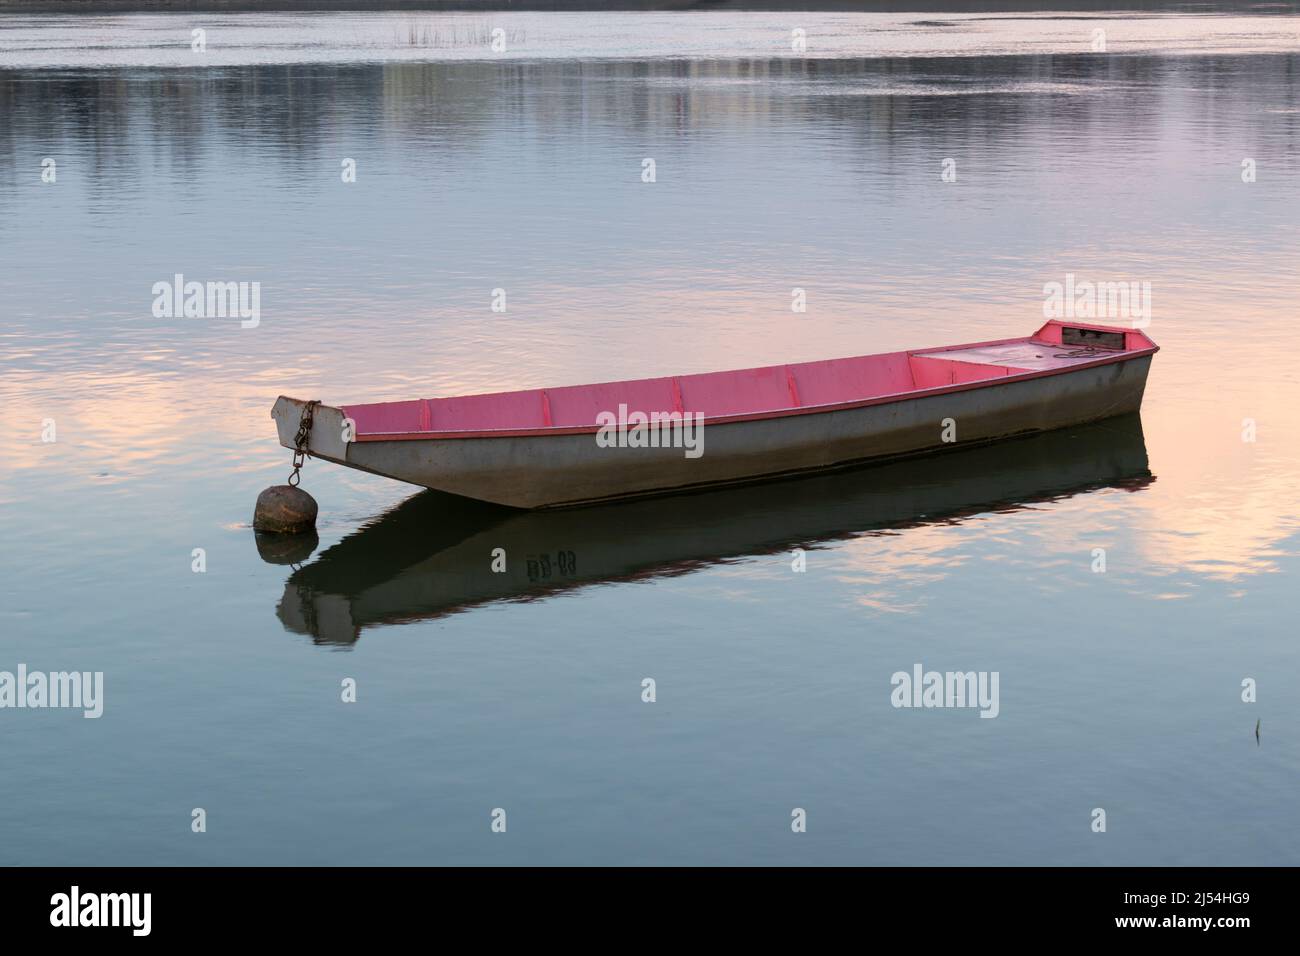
(540, 470)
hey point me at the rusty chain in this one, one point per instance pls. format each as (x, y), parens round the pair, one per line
(300, 441)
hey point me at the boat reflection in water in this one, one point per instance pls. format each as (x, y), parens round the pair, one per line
(432, 555)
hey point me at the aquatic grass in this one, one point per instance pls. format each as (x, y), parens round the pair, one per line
(437, 35)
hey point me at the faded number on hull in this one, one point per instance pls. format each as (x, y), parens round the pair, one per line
(542, 567)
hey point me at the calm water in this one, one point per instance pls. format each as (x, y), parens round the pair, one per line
(521, 170)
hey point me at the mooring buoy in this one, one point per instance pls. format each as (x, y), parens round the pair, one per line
(287, 509)
(284, 509)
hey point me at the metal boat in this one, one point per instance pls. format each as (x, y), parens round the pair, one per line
(580, 444)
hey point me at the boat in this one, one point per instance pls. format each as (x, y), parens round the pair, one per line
(581, 444)
(428, 557)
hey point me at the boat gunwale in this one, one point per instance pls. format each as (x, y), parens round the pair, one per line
(1118, 356)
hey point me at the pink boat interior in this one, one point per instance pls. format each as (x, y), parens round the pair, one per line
(753, 392)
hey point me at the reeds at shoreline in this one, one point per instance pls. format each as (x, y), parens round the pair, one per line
(443, 35)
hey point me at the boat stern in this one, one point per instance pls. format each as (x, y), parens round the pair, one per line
(1102, 337)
